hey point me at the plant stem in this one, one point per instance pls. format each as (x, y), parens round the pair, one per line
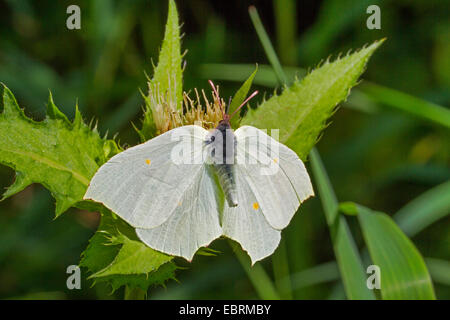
(134, 294)
(281, 271)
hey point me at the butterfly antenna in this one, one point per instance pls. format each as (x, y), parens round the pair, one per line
(228, 106)
(217, 96)
(243, 103)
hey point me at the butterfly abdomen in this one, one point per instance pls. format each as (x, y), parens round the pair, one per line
(225, 173)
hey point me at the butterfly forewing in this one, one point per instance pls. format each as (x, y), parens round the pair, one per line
(144, 184)
(274, 173)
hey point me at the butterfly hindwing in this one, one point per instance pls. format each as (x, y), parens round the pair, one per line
(194, 223)
(247, 225)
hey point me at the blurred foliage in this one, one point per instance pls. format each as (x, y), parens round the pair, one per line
(383, 159)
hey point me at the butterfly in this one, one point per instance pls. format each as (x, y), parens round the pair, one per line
(189, 186)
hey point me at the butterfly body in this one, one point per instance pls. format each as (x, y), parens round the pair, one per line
(224, 141)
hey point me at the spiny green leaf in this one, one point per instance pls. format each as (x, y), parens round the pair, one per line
(61, 155)
(134, 257)
(114, 255)
(168, 75)
(53, 112)
(98, 253)
(404, 274)
(143, 281)
(239, 97)
(21, 182)
(300, 112)
(148, 130)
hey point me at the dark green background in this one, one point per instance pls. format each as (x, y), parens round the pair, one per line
(381, 160)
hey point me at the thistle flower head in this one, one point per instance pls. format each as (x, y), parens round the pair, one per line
(197, 110)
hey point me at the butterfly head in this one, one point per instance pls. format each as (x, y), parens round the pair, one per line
(225, 122)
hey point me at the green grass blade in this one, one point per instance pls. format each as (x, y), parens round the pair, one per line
(321, 273)
(318, 39)
(404, 274)
(286, 26)
(326, 272)
(407, 103)
(347, 256)
(424, 210)
(239, 72)
(326, 192)
(256, 274)
(439, 270)
(346, 252)
(123, 114)
(265, 41)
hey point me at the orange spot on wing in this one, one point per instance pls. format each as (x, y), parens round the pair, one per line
(148, 161)
(255, 205)
(275, 160)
